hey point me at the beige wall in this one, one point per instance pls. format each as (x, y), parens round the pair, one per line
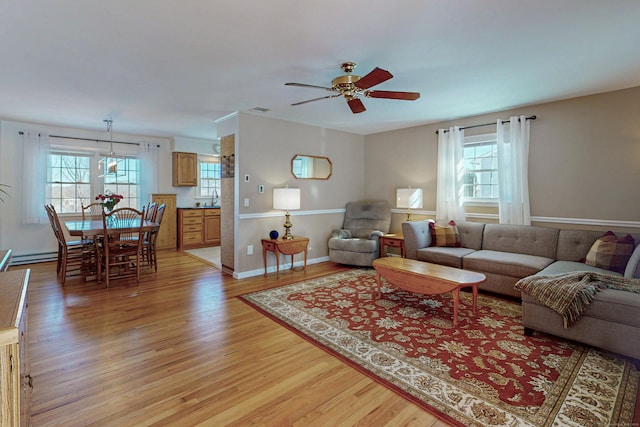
(584, 158)
(265, 147)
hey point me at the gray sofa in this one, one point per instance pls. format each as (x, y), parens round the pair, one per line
(507, 253)
(358, 241)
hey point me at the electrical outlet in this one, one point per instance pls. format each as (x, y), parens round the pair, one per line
(246, 202)
(250, 250)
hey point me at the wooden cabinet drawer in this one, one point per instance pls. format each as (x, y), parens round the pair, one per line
(268, 245)
(192, 238)
(212, 212)
(192, 228)
(188, 221)
(188, 213)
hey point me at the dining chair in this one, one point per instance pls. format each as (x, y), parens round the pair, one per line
(74, 256)
(120, 250)
(149, 242)
(152, 212)
(92, 211)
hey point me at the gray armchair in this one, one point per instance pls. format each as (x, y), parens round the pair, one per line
(357, 243)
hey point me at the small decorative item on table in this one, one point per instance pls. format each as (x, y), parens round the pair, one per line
(273, 234)
(109, 200)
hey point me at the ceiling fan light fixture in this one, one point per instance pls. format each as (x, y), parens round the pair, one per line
(351, 86)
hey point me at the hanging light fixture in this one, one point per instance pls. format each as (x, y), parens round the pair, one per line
(108, 165)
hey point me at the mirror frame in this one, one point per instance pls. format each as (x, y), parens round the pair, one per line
(315, 157)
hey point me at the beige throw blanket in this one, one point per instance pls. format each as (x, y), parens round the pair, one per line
(570, 294)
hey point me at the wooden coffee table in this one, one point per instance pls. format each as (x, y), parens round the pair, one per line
(430, 279)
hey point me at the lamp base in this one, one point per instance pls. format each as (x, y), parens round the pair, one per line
(408, 215)
(287, 228)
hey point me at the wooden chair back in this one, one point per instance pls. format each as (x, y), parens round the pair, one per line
(92, 211)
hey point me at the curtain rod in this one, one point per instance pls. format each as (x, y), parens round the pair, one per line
(487, 124)
(89, 139)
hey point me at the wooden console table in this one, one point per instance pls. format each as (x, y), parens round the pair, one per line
(15, 378)
(287, 247)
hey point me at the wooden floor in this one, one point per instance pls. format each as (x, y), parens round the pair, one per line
(180, 349)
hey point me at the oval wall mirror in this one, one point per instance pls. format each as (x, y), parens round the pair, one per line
(304, 166)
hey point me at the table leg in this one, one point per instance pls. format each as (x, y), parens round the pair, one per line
(474, 289)
(305, 259)
(264, 259)
(456, 302)
(291, 262)
(379, 284)
(277, 263)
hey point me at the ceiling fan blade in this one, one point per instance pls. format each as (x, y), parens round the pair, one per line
(405, 96)
(377, 76)
(356, 105)
(316, 99)
(311, 86)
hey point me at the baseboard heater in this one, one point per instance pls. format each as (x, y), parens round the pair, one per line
(34, 258)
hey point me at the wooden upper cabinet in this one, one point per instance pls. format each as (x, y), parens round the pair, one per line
(185, 169)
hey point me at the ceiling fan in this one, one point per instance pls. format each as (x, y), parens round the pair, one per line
(351, 87)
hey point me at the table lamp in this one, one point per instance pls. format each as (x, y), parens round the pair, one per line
(408, 198)
(286, 199)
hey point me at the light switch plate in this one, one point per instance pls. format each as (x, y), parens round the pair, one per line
(246, 178)
(260, 188)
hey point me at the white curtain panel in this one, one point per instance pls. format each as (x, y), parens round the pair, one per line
(513, 170)
(149, 174)
(35, 155)
(449, 203)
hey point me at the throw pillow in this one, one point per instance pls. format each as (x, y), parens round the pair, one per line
(611, 253)
(445, 235)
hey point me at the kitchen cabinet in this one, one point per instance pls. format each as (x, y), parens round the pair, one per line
(185, 169)
(15, 379)
(212, 227)
(198, 227)
(168, 234)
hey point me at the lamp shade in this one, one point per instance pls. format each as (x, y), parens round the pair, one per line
(409, 198)
(286, 198)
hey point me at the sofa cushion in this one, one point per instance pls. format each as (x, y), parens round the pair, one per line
(353, 245)
(560, 267)
(574, 245)
(448, 256)
(505, 263)
(521, 239)
(611, 305)
(471, 234)
(445, 235)
(611, 253)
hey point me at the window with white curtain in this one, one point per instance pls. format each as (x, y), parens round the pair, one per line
(73, 180)
(480, 179)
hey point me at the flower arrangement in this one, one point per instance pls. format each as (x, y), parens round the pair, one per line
(109, 200)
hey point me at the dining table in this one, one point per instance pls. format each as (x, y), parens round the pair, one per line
(94, 227)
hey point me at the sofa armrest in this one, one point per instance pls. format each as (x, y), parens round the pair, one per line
(416, 236)
(633, 266)
(341, 234)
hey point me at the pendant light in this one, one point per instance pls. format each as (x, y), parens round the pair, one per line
(108, 165)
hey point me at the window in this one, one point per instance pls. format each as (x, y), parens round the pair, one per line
(210, 173)
(73, 180)
(69, 178)
(126, 182)
(480, 179)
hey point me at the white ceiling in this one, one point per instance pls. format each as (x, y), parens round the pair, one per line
(171, 68)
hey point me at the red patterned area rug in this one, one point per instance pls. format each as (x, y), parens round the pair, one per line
(483, 372)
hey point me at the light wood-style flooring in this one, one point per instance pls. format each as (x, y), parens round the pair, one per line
(180, 349)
